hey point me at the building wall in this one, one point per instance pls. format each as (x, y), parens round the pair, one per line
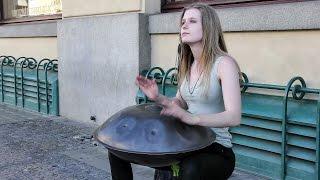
(272, 43)
(37, 47)
(32, 39)
(161, 43)
(71, 8)
(98, 64)
(276, 57)
(266, 57)
(102, 47)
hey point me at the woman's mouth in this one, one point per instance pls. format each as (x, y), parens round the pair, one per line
(184, 34)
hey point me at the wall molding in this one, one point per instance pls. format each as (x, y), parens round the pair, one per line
(30, 29)
(275, 17)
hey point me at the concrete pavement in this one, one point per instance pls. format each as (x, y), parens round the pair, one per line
(36, 146)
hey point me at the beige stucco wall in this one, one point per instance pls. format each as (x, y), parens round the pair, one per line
(163, 50)
(72, 8)
(30, 47)
(266, 57)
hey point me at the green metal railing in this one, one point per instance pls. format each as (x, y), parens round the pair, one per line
(278, 136)
(30, 84)
(298, 92)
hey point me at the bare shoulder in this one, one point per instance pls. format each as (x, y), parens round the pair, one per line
(227, 61)
(228, 65)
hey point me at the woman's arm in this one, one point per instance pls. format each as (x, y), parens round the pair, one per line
(180, 101)
(228, 73)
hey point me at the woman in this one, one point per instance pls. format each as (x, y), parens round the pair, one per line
(208, 95)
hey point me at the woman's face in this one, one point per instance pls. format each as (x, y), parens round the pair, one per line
(191, 27)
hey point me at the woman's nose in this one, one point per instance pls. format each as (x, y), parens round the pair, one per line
(184, 26)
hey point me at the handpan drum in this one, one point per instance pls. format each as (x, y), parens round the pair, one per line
(139, 134)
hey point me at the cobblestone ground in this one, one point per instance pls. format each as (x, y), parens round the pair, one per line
(35, 146)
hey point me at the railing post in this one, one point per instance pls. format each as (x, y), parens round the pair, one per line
(318, 139)
(163, 90)
(48, 67)
(17, 62)
(30, 63)
(38, 80)
(3, 60)
(55, 94)
(285, 118)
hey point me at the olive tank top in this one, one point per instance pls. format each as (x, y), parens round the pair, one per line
(207, 104)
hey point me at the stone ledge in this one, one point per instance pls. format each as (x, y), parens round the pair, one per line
(288, 16)
(31, 29)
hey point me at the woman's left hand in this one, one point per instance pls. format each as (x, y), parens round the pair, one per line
(171, 108)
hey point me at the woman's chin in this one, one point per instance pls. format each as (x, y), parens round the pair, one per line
(189, 42)
(186, 41)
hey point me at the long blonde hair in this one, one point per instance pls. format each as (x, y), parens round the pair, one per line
(213, 46)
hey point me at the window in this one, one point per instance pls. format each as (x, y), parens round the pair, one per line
(13, 11)
(176, 5)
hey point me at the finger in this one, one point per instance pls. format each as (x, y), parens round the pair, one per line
(166, 103)
(138, 77)
(136, 82)
(163, 104)
(148, 82)
(142, 82)
(163, 111)
(142, 79)
(153, 82)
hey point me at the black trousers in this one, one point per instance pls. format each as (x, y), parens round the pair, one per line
(215, 162)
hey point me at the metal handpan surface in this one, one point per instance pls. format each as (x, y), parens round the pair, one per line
(141, 135)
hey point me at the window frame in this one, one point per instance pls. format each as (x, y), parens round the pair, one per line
(1, 10)
(177, 6)
(27, 19)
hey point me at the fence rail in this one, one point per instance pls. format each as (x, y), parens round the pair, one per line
(29, 83)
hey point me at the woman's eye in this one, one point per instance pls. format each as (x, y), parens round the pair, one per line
(193, 21)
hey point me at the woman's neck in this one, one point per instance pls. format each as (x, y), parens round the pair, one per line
(196, 49)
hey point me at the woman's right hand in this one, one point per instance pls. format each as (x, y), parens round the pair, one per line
(148, 87)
